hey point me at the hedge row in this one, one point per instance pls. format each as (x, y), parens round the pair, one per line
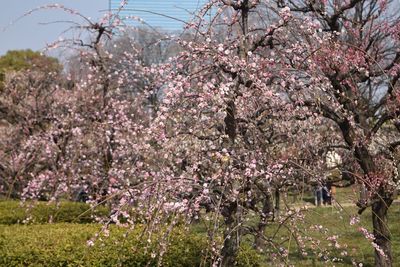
(13, 212)
(65, 244)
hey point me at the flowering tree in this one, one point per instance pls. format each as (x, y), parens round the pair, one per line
(254, 98)
(98, 120)
(64, 134)
(219, 139)
(347, 69)
(27, 93)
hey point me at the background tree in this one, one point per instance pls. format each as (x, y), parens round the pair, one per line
(26, 97)
(349, 73)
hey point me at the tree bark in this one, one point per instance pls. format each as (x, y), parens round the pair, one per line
(230, 120)
(267, 212)
(382, 233)
(277, 203)
(231, 242)
(380, 207)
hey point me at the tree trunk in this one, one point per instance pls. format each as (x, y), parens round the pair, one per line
(230, 249)
(231, 241)
(230, 120)
(277, 204)
(267, 212)
(381, 233)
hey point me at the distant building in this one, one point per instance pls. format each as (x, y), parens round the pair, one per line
(167, 14)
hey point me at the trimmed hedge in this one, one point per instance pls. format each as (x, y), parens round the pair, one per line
(12, 212)
(64, 244)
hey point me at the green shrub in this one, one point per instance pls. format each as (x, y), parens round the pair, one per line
(64, 244)
(12, 212)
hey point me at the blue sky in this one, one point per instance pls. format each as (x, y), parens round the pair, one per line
(28, 33)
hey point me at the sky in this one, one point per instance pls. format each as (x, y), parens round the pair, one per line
(27, 32)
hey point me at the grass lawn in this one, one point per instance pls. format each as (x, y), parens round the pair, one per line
(336, 222)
